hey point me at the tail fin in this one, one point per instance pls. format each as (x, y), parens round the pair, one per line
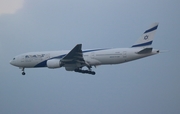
(147, 38)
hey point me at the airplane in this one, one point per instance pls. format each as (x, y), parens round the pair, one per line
(76, 59)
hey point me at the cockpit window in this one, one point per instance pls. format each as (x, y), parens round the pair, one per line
(13, 58)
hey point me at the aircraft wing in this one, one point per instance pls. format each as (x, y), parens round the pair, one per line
(74, 56)
(74, 61)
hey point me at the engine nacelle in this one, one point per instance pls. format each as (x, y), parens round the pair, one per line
(53, 63)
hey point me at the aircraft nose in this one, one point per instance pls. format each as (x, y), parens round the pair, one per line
(11, 62)
(14, 61)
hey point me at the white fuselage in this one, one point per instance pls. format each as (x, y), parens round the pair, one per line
(76, 59)
(92, 57)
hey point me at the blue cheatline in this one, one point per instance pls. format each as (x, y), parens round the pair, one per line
(151, 29)
(144, 44)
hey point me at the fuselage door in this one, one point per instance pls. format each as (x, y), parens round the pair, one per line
(27, 58)
(46, 56)
(22, 58)
(92, 55)
(124, 54)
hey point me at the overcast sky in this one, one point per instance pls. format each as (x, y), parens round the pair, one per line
(146, 86)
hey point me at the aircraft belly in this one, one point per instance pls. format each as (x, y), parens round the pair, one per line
(113, 59)
(93, 61)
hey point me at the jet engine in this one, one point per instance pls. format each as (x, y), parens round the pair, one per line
(53, 63)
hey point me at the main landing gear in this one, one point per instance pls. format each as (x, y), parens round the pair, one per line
(85, 71)
(23, 73)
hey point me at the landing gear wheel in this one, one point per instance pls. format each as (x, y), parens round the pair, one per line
(93, 73)
(85, 71)
(23, 73)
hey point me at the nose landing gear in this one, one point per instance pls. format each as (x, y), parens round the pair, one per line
(23, 73)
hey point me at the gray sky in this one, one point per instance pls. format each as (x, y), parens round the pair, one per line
(146, 86)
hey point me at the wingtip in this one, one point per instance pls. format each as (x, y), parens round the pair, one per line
(79, 45)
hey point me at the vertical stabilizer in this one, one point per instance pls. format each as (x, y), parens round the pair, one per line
(147, 38)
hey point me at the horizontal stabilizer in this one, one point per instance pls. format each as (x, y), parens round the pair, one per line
(145, 50)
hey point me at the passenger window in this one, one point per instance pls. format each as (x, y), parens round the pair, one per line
(26, 56)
